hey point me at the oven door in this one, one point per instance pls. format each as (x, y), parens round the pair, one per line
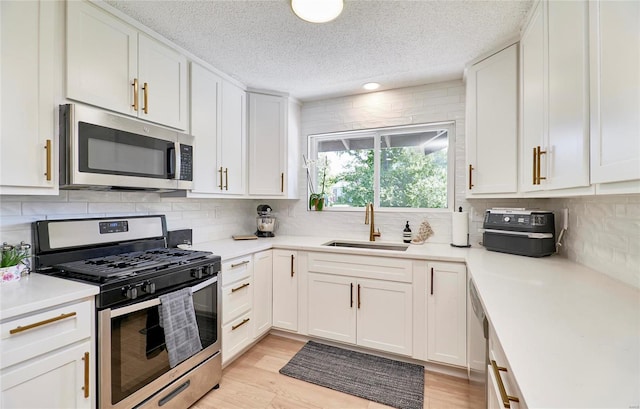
(133, 361)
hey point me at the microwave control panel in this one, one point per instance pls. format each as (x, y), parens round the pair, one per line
(186, 162)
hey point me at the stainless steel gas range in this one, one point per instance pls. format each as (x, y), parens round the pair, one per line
(128, 258)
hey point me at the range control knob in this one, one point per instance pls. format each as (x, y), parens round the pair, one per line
(196, 272)
(507, 219)
(131, 292)
(149, 287)
(210, 270)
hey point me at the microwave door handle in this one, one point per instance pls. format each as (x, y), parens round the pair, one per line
(171, 162)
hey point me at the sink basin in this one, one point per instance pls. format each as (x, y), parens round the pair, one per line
(367, 245)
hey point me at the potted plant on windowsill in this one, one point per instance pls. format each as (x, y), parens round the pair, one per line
(12, 262)
(316, 200)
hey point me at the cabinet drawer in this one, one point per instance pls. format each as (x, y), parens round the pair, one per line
(42, 332)
(504, 374)
(236, 299)
(382, 268)
(236, 269)
(235, 336)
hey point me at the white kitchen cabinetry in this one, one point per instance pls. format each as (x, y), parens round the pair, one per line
(614, 40)
(112, 65)
(273, 133)
(48, 359)
(492, 124)
(285, 289)
(555, 104)
(502, 386)
(345, 307)
(218, 116)
(446, 313)
(262, 292)
(232, 162)
(28, 138)
(237, 304)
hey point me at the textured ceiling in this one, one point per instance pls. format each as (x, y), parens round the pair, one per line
(397, 43)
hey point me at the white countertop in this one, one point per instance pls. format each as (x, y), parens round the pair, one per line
(571, 335)
(37, 291)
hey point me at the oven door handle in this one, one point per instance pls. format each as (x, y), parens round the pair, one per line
(156, 301)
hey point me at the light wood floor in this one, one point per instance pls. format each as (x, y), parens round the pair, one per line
(253, 382)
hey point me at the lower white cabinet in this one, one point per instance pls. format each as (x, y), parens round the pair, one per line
(371, 313)
(502, 389)
(48, 359)
(237, 306)
(285, 289)
(53, 381)
(446, 313)
(262, 292)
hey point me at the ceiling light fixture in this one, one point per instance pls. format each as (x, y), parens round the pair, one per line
(370, 86)
(317, 11)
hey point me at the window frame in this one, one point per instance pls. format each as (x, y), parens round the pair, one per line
(378, 134)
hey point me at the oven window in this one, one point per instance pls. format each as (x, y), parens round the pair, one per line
(138, 352)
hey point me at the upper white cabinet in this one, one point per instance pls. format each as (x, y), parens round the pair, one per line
(492, 124)
(28, 138)
(113, 66)
(555, 99)
(447, 313)
(218, 117)
(273, 134)
(232, 142)
(614, 39)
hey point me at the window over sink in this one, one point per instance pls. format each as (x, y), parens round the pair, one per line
(405, 167)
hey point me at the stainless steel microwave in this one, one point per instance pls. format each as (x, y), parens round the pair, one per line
(103, 151)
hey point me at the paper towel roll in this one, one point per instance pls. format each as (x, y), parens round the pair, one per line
(460, 229)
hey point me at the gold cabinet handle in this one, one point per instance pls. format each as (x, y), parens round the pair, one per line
(431, 280)
(220, 171)
(470, 176)
(47, 147)
(135, 94)
(239, 264)
(235, 327)
(233, 290)
(145, 108)
(282, 182)
(358, 296)
(351, 296)
(538, 154)
(85, 388)
(226, 178)
(506, 399)
(535, 167)
(41, 323)
(292, 272)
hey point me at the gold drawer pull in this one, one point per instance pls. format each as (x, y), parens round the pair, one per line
(145, 108)
(471, 169)
(41, 323)
(240, 264)
(85, 388)
(47, 147)
(233, 290)
(503, 392)
(135, 94)
(244, 321)
(226, 178)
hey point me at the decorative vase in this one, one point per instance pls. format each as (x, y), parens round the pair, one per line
(319, 205)
(9, 274)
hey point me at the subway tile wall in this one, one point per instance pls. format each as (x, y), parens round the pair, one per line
(210, 219)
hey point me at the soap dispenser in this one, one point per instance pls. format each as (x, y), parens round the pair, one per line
(406, 233)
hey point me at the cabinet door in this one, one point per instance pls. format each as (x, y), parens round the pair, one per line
(27, 95)
(205, 113)
(267, 144)
(231, 148)
(285, 290)
(56, 380)
(162, 73)
(446, 313)
(236, 335)
(533, 119)
(102, 58)
(262, 296)
(492, 118)
(614, 40)
(385, 318)
(568, 108)
(332, 307)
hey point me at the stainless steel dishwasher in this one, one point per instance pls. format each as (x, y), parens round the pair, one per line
(477, 342)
